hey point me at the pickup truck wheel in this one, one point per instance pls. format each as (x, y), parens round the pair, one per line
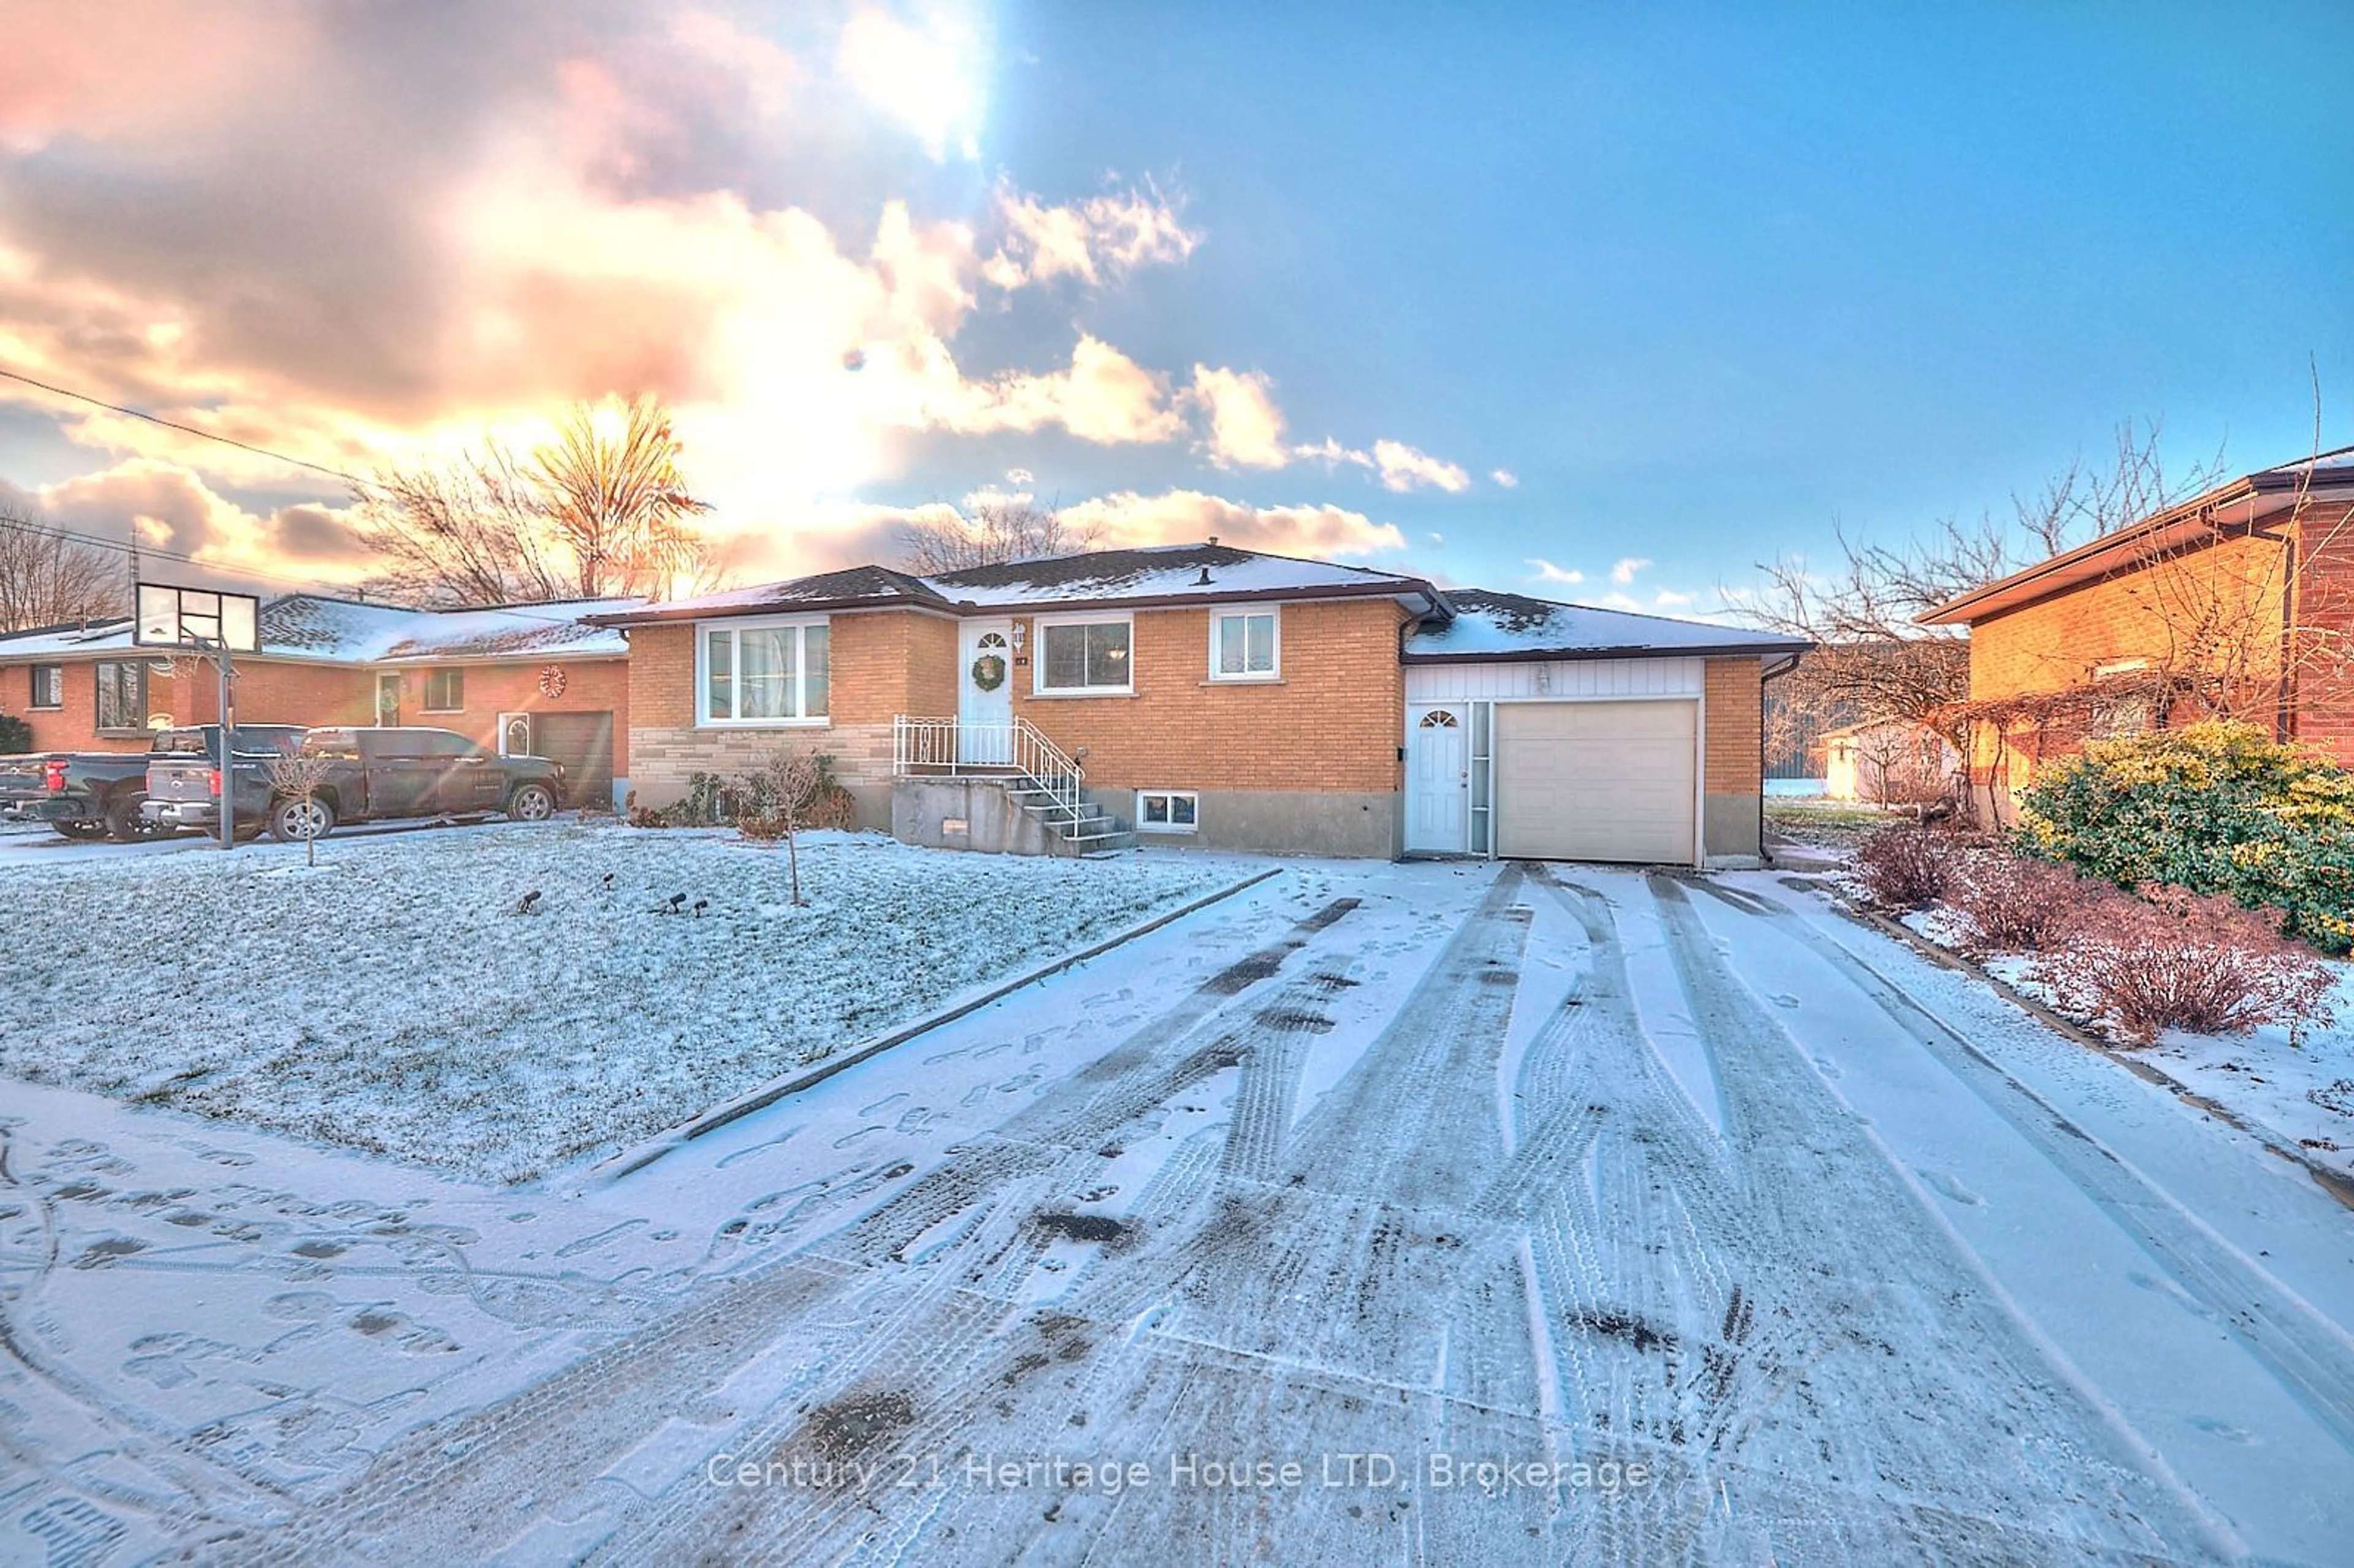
(294, 819)
(530, 804)
(125, 824)
(79, 831)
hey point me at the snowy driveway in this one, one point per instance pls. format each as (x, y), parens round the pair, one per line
(1384, 1213)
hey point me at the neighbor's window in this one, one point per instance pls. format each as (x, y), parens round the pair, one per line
(445, 691)
(1085, 656)
(48, 687)
(123, 694)
(1243, 645)
(762, 673)
(1166, 810)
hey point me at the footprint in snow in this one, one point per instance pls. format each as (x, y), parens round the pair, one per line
(1784, 999)
(1940, 1182)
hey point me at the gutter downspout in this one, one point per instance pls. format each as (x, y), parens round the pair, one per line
(1764, 675)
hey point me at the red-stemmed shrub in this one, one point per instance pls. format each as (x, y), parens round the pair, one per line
(1906, 868)
(2177, 959)
(2007, 903)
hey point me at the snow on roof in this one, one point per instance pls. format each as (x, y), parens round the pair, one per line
(1510, 625)
(1162, 571)
(341, 630)
(853, 585)
(57, 640)
(1156, 572)
(2331, 468)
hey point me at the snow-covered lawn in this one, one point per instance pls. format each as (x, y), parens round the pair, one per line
(2302, 1093)
(397, 998)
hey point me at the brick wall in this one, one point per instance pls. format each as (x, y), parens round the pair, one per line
(2324, 663)
(284, 691)
(1733, 754)
(1330, 724)
(2058, 643)
(882, 664)
(74, 727)
(590, 686)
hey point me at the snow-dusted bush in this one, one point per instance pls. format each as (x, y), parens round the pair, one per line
(2172, 958)
(1906, 868)
(2216, 807)
(2007, 902)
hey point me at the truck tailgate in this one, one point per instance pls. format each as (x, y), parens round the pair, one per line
(190, 780)
(21, 777)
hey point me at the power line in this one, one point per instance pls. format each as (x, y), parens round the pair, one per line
(99, 542)
(183, 429)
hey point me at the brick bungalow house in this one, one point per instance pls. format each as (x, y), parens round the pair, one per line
(2237, 602)
(520, 678)
(1203, 694)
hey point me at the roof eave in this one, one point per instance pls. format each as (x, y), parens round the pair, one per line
(1568, 655)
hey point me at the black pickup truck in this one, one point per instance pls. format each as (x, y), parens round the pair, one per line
(184, 779)
(378, 773)
(82, 794)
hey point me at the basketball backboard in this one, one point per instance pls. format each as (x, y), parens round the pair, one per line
(174, 616)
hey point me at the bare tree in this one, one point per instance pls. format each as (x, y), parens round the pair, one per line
(996, 532)
(611, 491)
(464, 531)
(50, 578)
(601, 510)
(297, 777)
(1871, 662)
(782, 792)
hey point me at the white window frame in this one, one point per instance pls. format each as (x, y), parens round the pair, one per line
(704, 718)
(1192, 797)
(1274, 671)
(1038, 687)
(57, 698)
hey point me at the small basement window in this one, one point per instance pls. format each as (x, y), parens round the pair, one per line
(1167, 811)
(445, 691)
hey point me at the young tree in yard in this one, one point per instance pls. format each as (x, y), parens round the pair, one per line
(780, 793)
(51, 577)
(297, 777)
(998, 532)
(603, 510)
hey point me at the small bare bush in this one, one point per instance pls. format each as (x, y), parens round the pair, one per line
(2007, 902)
(2176, 959)
(1906, 868)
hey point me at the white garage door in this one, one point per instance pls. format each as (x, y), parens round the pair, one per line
(1595, 780)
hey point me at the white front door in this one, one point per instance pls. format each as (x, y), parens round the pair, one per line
(1437, 779)
(985, 693)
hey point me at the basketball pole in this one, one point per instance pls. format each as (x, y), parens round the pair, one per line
(227, 711)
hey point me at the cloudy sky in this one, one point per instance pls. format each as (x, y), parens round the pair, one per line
(1605, 302)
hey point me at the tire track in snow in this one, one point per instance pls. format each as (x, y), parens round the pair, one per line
(1251, 1291)
(2014, 1460)
(2310, 1356)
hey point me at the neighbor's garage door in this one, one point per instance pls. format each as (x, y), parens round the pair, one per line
(584, 744)
(1595, 780)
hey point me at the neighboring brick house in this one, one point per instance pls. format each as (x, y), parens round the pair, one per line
(519, 678)
(2237, 602)
(1203, 694)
